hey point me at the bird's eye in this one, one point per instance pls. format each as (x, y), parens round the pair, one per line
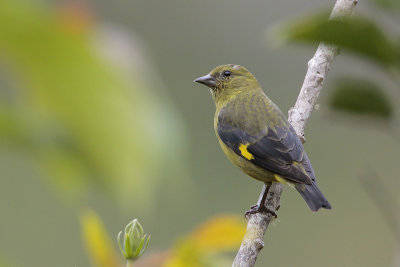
(227, 73)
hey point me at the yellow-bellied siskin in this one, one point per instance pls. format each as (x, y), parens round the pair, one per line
(256, 136)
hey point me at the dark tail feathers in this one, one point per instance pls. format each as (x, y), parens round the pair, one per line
(313, 196)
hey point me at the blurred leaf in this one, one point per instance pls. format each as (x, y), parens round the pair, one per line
(360, 97)
(205, 245)
(390, 5)
(224, 232)
(186, 254)
(98, 244)
(4, 262)
(75, 16)
(11, 127)
(359, 35)
(81, 117)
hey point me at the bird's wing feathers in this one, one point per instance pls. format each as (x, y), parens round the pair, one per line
(277, 149)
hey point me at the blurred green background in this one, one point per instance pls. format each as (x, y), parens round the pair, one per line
(98, 110)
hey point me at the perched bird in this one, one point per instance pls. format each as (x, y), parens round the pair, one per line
(256, 136)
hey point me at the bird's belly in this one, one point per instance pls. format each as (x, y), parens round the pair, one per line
(247, 167)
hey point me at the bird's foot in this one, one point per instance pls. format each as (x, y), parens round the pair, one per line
(260, 208)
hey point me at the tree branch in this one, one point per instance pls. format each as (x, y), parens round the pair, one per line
(318, 67)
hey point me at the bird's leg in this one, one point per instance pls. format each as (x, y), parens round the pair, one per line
(263, 196)
(260, 206)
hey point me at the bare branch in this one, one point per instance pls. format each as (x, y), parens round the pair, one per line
(318, 67)
(257, 224)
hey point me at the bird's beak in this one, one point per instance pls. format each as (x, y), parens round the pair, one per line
(207, 80)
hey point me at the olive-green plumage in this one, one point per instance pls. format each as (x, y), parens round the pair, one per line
(256, 136)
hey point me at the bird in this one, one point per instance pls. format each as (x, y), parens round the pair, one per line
(257, 137)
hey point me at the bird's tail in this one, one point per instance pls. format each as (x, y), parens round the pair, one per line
(313, 196)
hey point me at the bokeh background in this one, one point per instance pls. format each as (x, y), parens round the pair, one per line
(100, 121)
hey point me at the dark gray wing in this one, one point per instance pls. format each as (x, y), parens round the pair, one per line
(279, 150)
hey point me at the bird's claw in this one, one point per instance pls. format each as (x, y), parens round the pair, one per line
(260, 208)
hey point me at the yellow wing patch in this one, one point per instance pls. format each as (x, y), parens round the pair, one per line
(244, 152)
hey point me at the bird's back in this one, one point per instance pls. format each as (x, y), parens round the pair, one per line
(252, 111)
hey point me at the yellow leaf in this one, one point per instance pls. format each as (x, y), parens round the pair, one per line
(98, 244)
(203, 247)
(221, 233)
(185, 254)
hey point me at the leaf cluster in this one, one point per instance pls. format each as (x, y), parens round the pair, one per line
(362, 36)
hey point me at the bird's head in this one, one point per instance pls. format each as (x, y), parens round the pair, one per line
(226, 81)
